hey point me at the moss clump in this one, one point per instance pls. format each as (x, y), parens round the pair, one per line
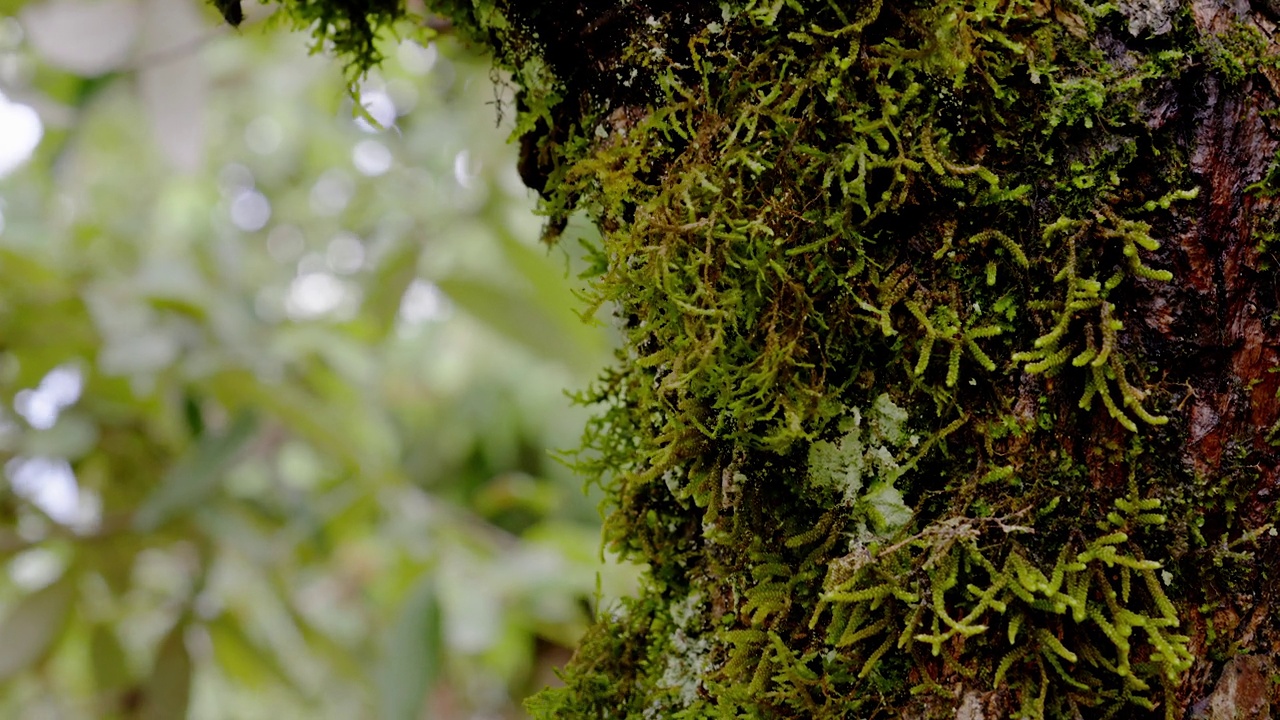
(827, 209)
(942, 596)
(880, 270)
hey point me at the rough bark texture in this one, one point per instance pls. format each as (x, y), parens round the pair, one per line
(949, 388)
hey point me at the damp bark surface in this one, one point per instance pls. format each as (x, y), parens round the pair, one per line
(951, 331)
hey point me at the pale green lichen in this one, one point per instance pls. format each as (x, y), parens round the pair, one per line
(863, 463)
(688, 660)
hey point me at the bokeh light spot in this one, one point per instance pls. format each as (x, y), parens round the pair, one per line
(250, 211)
(49, 484)
(235, 178)
(423, 302)
(345, 254)
(371, 158)
(465, 170)
(286, 243)
(417, 59)
(331, 193)
(20, 133)
(314, 294)
(58, 390)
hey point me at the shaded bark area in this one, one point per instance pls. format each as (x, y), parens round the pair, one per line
(1230, 294)
(1220, 329)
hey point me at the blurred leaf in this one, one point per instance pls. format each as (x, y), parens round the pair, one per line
(536, 313)
(29, 630)
(318, 641)
(182, 306)
(168, 691)
(20, 270)
(553, 294)
(243, 659)
(110, 666)
(546, 280)
(511, 314)
(72, 437)
(388, 285)
(411, 659)
(195, 478)
(326, 427)
(349, 360)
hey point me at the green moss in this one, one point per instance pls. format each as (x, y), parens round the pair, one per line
(789, 228)
(1074, 621)
(793, 222)
(1241, 51)
(871, 264)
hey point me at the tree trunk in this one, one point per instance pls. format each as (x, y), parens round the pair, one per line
(948, 387)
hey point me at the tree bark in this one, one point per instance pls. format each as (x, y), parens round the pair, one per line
(949, 387)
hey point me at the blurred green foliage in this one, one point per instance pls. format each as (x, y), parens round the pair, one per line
(280, 387)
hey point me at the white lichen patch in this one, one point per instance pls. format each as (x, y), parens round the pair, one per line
(685, 611)
(888, 420)
(863, 463)
(885, 508)
(840, 464)
(688, 661)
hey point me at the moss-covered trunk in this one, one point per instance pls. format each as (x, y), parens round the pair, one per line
(948, 387)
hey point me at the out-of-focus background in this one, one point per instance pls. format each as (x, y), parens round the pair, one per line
(280, 387)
